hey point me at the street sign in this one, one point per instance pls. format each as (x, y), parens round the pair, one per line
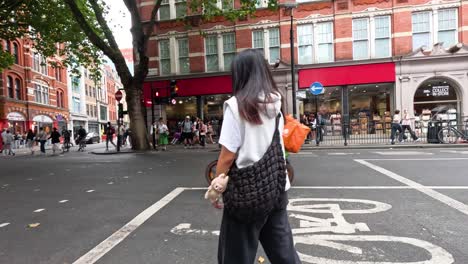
(118, 95)
(316, 88)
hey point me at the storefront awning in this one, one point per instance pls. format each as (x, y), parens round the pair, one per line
(190, 87)
(15, 116)
(348, 75)
(42, 119)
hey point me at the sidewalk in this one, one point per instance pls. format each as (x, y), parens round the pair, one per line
(384, 146)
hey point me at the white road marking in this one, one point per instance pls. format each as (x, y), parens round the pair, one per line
(110, 183)
(4, 224)
(90, 191)
(427, 159)
(402, 153)
(126, 177)
(463, 208)
(39, 210)
(63, 201)
(455, 151)
(105, 246)
(341, 154)
(402, 187)
(29, 179)
(37, 190)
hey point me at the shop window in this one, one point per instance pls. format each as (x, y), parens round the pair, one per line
(421, 29)
(17, 89)
(164, 57)
(305, 35)
(184, 60)
(361, 38)
(229, 49)
(447, 25)
(16, 52)
(11, 93)
(211, 44)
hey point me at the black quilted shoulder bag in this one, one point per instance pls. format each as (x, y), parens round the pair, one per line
(254, 191)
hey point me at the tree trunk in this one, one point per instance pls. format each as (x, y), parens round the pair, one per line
(139, 135)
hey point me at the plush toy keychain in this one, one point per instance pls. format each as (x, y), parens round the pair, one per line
(217, 187)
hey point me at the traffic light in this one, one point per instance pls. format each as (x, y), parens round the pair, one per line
(157, 98)
(174, 88)
(120, 110)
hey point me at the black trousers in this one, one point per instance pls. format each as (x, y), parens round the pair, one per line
(238, 242)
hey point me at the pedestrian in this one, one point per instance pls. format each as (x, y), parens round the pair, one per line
(30, 139)
(163, 134)
(196, 131)
(2, 141)
(203, 131)
(176, 138)
(187, 134)
(109, 131)
(250, 135)
(9, 141)
(209, 133)
(125, 136)
(121, 136)
(55, 138)
(396, 127)
(406, 125)
(42, 137)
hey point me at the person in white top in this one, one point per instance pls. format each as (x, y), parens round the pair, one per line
(396, 126)
(406, 125)
(247, 132)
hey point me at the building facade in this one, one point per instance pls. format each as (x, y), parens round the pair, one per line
(372, 56)
(33, 94)
(76, 101)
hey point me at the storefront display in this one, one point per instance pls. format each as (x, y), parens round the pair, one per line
(44, 122)
(17, 122)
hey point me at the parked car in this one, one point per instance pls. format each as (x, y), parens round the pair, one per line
(92, 137)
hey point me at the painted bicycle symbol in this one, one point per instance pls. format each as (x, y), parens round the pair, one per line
(321, 230)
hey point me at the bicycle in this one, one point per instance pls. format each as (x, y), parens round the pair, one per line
(66, 145)
(450, 134)
(210, 172)
(82, 145)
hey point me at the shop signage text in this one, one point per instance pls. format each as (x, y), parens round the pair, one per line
(440, 90)
(15, 116)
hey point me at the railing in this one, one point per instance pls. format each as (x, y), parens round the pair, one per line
(376, 132)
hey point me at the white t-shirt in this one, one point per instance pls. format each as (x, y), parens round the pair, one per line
(162, 128)
(396, 119)
(249, 141)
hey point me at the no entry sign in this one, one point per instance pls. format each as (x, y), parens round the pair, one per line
(118, 96)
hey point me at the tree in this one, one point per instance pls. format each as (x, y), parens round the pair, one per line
(82, 27)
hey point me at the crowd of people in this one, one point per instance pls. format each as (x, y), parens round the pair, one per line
(190, 132)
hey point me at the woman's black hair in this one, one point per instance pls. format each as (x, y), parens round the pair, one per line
(251, 78)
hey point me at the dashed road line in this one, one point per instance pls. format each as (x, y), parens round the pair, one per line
(63, 201)
(105, 246)
(418, 159)
(90, 191)
(39, 210)
(402, 153)
(463, 208)
(4, 224)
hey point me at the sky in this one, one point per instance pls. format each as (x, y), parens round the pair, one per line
(120, 23)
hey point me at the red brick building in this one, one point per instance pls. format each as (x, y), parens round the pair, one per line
(32, 93)
(362, 51)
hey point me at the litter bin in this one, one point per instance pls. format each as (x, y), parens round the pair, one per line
(433, 129)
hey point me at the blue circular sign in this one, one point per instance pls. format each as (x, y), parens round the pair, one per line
(316, 88)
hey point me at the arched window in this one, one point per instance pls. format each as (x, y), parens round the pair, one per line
(60, 102)
(8, 46)
(41, 93)
(10, 87)
(17, 89)
(16, 52)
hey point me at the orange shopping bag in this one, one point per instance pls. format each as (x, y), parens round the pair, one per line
(294, 134)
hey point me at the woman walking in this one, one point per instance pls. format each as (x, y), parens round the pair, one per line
(406, 125)
(42, 136)
(250, 135)
(30, 138)
(163, 133)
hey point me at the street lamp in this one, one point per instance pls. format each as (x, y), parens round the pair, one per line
(291, 7)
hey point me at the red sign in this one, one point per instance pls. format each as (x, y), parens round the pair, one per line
(118, 95)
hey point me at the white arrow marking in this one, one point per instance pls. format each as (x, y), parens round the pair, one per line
(4, 224)
(39, 210)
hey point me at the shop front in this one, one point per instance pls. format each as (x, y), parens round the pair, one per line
(42, 121)
(432, 86)
(356, 104)
(16, 122)
(196, 97)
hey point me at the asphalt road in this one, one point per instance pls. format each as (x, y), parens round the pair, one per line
(346, 206)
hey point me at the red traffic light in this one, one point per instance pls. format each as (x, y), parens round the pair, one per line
(157, 94)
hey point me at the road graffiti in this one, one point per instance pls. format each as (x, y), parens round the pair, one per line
(319, 226)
